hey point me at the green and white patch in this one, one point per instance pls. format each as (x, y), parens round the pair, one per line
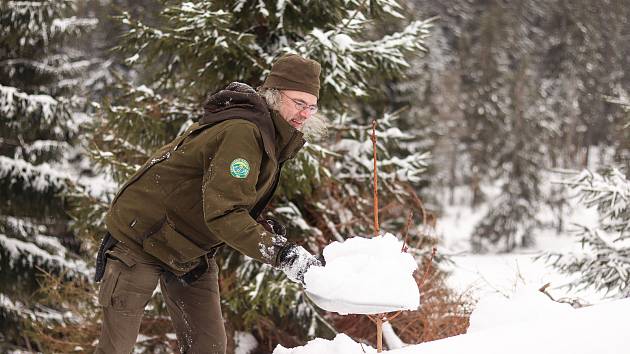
(239, 168)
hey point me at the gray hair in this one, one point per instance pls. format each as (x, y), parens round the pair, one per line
(271, 96)
(315, 128)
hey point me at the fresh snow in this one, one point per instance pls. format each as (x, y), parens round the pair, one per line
(527, 323)
(341, 344)
(479, 275)
(244, 342)
(496, 311)
(365, 276)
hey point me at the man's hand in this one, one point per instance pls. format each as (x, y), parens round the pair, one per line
(294, 261)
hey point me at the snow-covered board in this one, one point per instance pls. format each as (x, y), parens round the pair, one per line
(364, 276)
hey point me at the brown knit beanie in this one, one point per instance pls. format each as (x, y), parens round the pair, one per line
(292, 72)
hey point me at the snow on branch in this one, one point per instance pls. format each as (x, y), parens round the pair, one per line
(21, 111)
(605, 264)
(348, 62)
(51, 65)
(609, 192)
(355, 151)
(22, 251)
(31, 23)
(12, 101)
(14, 309)
(197, 31)
(40, 148)
(277, 9)
(19, 227)
(72, 24)
(23, 229)
(41, 178)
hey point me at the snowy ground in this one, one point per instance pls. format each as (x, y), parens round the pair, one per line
(529, 323)
(482, 275)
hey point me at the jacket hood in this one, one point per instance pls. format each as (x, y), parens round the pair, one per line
(240, 101)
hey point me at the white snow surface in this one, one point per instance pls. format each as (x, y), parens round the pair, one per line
(244, 342)
(527, 304)
(527, 323)
(341, 344)
(364, 276)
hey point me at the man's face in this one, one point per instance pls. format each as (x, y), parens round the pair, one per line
(290, 106)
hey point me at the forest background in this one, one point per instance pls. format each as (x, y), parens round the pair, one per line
(470, 98)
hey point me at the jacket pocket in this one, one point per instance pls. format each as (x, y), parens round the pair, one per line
(173, 249)
(112, 273)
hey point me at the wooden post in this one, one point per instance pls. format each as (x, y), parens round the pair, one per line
(376, 227)
(379, 334)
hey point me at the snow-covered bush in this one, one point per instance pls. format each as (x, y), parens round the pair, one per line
(605, 264)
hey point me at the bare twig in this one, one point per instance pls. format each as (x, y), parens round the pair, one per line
(426, 272)
(405, 233)
(393, 316)
(543, 290)
(418, 202)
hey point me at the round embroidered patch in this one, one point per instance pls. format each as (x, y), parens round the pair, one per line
(239, 168)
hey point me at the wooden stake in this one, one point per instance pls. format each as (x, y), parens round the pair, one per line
(379, 334)
(376, 227)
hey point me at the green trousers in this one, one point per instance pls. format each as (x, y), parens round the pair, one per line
(127, 286)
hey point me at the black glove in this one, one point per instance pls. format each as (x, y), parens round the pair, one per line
(320, 258)
(294, 261)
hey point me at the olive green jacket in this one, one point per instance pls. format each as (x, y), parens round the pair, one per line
(207, 187)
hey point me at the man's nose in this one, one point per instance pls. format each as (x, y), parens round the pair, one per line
(305, 113)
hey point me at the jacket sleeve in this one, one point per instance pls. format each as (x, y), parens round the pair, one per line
(229, 192)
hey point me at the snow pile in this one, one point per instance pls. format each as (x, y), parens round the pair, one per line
(342, 344)
(364, 276)
(527, 323)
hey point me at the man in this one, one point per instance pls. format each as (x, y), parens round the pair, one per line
(203, 190)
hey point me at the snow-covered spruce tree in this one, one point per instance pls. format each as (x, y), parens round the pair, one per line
(38, 127)
(506, 131)
(605, 263)
(197, 49)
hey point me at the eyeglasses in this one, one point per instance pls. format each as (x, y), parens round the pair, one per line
(301, 105)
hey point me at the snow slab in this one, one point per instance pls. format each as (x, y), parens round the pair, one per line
(364, 276)
(598, 329)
